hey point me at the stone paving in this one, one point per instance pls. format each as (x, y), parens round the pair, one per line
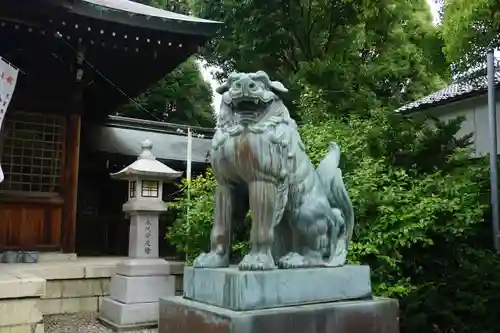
(79, 323)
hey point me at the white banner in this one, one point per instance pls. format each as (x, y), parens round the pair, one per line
(8, 80)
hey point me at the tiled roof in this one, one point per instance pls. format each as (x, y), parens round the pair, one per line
(132, 8)
(462, 88)
(130, 13)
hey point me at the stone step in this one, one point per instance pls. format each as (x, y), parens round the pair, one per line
(179, 315)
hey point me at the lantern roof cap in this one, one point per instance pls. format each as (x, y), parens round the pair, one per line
(148, 166)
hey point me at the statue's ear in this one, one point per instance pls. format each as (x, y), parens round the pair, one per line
(278, 87)
(222, 88)
(227, 84)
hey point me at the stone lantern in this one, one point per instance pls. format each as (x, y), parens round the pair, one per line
(142, 278)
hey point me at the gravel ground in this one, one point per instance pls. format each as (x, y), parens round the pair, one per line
(79, 323)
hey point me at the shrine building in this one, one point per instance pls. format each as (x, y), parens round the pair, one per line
(78, 61)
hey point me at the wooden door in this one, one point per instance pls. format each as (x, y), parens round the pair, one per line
(30, 226)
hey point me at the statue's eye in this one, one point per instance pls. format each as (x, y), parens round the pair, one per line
(260, 82)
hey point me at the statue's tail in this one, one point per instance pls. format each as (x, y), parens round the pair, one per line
(330, 176)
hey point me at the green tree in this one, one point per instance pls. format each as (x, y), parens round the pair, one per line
(470, 29)
(361, 53)
(182, 96)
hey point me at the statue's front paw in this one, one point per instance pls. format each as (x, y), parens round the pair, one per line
(295, 260)
(211, 260)
(257, 262)
(292, 260)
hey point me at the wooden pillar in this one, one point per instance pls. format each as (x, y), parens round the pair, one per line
(71, 182)
(72, 160)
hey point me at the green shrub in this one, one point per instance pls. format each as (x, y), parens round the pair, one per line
(420, 205)
(190, 232)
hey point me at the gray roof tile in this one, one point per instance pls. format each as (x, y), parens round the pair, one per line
(460, 88)
(132, 7)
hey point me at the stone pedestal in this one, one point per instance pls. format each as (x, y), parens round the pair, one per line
(317, 300)
(179, 315)
(134, 293)
(233, 289)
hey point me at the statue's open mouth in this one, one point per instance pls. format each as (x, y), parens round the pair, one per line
(249, 104)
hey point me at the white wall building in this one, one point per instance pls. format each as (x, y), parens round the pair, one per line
(461, 99)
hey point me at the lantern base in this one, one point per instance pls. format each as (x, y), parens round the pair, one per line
(128, 317)
(134, 293)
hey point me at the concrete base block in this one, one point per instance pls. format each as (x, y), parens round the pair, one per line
(21, 285)
(19, 311)
(178, 315)
(68, 305)
(143, 267)
(238, 290)
(123, 317)
(141, 289)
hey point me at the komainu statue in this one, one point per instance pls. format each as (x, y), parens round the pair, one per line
(301, 216)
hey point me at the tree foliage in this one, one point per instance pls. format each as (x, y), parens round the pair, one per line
(363, 54)
(470, 29)
(182, 96)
